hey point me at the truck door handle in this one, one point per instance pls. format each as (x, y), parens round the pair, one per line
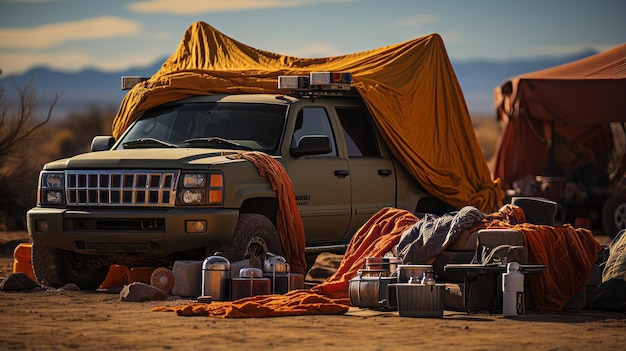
(384, 172)
(341, 173)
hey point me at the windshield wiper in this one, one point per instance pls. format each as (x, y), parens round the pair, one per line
(216, 141)
(146, 143)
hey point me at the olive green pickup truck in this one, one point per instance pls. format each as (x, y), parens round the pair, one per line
(167, 191)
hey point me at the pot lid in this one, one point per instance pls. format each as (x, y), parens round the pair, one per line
(250, 273)
(217, 262)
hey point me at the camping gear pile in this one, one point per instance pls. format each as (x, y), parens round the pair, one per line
(567, 253)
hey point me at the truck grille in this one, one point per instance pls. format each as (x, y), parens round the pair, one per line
(121, 188)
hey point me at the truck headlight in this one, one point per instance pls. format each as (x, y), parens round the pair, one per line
(54, 197)
(194, 180)
(51, 189)
(193, 197)
(54, 180)
(201, 188)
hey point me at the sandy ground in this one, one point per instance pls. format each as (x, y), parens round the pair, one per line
(62, 320)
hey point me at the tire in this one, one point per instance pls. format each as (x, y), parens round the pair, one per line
(254, 236)
(56, 267)
(614, 214)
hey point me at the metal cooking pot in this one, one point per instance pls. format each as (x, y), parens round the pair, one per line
(250, 273)
(369, 290)
(250, 283)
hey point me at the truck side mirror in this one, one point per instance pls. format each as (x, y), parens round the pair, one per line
(311, 145)
(102, 143)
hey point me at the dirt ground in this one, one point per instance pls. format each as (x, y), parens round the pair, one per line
(62, 320)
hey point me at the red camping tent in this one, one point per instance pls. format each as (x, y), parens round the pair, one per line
(561, 121)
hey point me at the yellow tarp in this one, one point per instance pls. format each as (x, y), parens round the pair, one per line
(410, 88)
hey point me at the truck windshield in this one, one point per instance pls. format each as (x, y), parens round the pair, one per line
(222, 125)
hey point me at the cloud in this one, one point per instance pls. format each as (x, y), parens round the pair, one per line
(192, 7)
(50, 35)
(416, 21)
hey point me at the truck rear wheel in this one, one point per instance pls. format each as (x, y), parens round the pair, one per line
(56, 267)
(614, 214)
(255, 235)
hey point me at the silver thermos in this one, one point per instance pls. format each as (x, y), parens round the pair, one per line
(216, 277)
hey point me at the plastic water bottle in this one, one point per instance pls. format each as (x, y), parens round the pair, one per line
(513, 291)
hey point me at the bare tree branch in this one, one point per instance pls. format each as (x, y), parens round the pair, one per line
(18, 127)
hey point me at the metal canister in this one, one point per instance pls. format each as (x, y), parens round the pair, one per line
(216, 277)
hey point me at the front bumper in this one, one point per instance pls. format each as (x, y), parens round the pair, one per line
(144, 232)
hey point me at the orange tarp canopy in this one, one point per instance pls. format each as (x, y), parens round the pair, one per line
(410, 88)
(576, 101)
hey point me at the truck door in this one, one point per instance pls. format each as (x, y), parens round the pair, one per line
(371, 170)
(321, 182)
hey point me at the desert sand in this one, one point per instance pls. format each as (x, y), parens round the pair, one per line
(99, 320)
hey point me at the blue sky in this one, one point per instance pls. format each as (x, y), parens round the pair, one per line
(114, 35)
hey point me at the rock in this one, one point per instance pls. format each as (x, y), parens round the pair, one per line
(18, 282)
(138, 292)
(70, 287)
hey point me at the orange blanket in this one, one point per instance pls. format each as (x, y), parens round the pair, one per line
(374, 238)
(288, 220)
(294, 303)
(569, 254)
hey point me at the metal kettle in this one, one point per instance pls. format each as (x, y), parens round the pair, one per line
(275, 264)
(216, 277)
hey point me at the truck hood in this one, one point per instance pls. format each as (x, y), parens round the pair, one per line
(145, 159)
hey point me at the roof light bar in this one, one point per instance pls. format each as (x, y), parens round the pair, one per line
(128, 82)
(331, 80)
(317, 81)
(293, 82)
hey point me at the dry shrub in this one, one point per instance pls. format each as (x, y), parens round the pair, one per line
(20, 130)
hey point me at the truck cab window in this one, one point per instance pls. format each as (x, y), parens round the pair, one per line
(313, 121)
(358, 131)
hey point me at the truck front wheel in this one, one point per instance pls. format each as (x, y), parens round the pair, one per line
(255, 235)
(614, 214)
(56, 267)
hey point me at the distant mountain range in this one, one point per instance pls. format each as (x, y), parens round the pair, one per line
(89, 88)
